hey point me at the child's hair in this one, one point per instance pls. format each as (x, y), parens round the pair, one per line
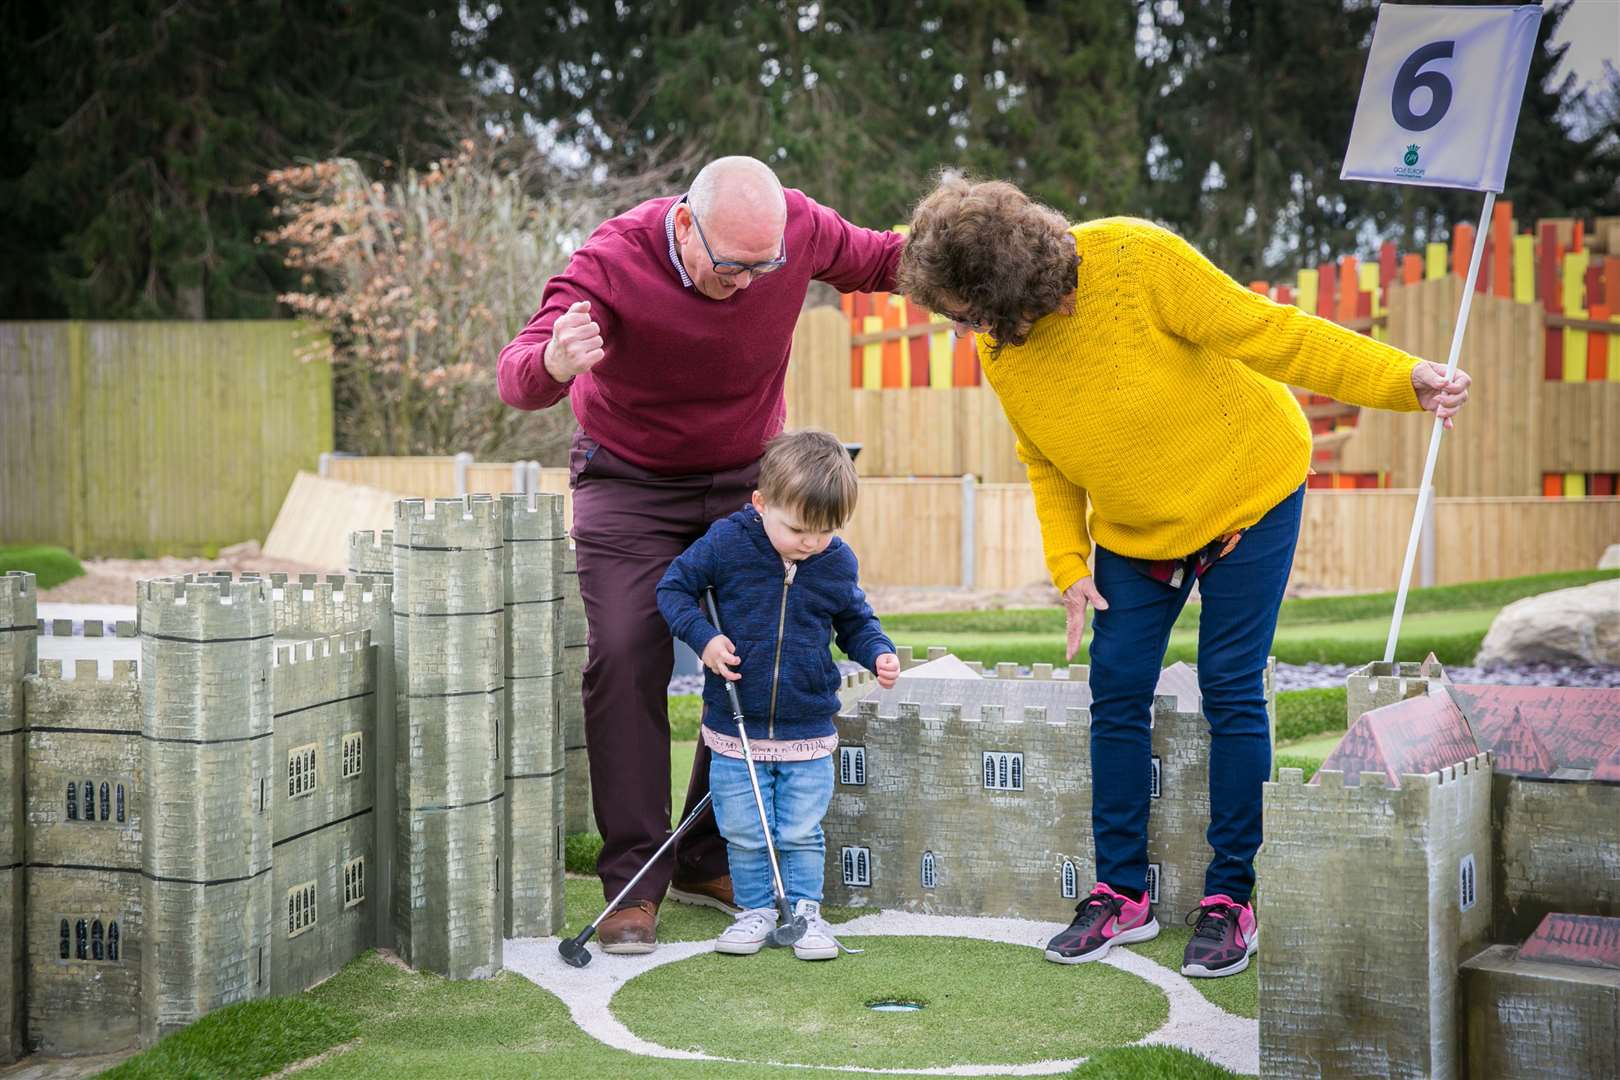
(810, 473)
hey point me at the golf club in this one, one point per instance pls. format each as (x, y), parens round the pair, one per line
(792, 927)
(573, 950)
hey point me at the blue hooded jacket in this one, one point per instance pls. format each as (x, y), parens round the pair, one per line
(780, 621)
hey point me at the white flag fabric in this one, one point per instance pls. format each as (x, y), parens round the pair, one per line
(1440, 100)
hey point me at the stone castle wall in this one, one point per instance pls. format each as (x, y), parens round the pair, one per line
(18, 656)
(1557, 849)
(576, 633)
(920, 824)
(1362, 935)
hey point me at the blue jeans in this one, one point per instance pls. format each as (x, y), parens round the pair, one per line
(796, 794)
(1240, 597)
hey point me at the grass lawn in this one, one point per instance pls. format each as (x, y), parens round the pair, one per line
(1448, 620)
(986, 1003)
(50, 565)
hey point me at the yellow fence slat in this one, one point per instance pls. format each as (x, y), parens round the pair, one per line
(872, 355)
(1305, 286)
(1574, 294)
(939, 353)
(1435, 261)
(1524, 269)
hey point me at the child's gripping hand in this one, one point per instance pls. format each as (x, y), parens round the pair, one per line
(887, 669)
(719, 654)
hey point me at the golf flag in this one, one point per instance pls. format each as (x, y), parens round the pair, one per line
(1440, 100)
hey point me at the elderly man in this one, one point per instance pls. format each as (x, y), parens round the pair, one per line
(669, 331)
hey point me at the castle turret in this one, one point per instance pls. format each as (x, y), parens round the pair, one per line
(449, 621)
(86, 934)
(1374, 885)
(206, 748)
(18, 657)
(533, 865)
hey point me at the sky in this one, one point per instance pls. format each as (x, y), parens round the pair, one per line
(1593, 29)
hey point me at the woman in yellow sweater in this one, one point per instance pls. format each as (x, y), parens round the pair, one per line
(1141, 380)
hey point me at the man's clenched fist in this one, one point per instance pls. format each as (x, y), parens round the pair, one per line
(576, 343)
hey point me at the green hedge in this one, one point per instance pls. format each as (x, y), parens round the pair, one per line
(1303, 713)
(50, 565)
(1450, 648)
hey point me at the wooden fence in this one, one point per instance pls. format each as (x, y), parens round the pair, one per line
(162, 437)
(953, 532)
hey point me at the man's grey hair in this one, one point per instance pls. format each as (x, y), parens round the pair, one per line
(739, 181)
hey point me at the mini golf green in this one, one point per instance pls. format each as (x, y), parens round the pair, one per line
(983, 1003)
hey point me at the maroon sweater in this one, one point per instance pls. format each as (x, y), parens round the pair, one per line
(687, 384)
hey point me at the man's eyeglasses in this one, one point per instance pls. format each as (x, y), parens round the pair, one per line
(730, 267)
(972, 322)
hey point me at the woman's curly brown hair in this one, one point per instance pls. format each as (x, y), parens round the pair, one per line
(989, 247)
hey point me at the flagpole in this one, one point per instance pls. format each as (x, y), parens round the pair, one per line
(1426, 490)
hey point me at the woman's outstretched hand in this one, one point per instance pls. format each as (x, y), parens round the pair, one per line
(1075, 599)
(1445, 398)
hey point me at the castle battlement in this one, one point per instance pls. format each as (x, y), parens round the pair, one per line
(330, 605)
(533, 516)
(295, 652)
(203, 607)
(1003, 670)
(466, 523)
(124, 628)
(87, 670)
(18, 597)
(1381, 683)
(372, 553)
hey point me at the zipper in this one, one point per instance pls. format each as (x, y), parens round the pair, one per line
(776, 670)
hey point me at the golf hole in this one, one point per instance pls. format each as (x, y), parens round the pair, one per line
(897, 1006)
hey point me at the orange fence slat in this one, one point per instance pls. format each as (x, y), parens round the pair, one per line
(1462, 248)
(894, 371)
(1411, 268)
(1349, 287)
(918, 346)
(1552, 485)
(1502, 249)
(1326, 277)
(1597, 347)
(1551, 297)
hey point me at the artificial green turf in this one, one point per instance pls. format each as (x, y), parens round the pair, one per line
(245, 1040)
(1237, 994)
(50, 565)
(685, 714)
(1453, 636)
(583, 900)
(1149, 1063)
(1318, 746)
(410, 1026)
(986, 1002)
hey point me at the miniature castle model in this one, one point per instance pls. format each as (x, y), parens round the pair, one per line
(301, 769)
(966, 792)
(1442, 899)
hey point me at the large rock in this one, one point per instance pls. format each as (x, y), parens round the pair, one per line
(1609, 561)
(1580, 625)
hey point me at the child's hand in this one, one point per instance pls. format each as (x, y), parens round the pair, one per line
(887, 669)
(719, 653)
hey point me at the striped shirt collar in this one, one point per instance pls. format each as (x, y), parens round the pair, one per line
(674, 255)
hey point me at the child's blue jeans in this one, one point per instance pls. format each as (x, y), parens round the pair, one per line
(1240, 597)
(796, 794)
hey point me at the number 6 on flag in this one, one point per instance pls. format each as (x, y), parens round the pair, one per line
(1440, 100)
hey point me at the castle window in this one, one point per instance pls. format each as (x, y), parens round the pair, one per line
(264, 792)
(1155, 788)
(852, 765)
(930, 875)
(65, 948)
(73, 801)
(120, 804)
(112, 940)
(1071, 881)
(1003, 771)
(301, 771)
(300, 908)
(857, 865)
(352, 755)
(1465, 883)
(106, 802)
(81, 940)
(354, 881)
(95, 940)
(1153, 882)
(89, 801)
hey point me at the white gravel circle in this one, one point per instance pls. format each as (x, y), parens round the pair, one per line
(1194, 1023)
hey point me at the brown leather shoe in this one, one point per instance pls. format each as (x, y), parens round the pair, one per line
(632, 929)
(714, 893)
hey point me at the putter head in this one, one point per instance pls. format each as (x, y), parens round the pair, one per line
(789, 932)
(574, 952)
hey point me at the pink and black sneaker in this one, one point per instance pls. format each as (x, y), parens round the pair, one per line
(1102, 920)
(1224, 937)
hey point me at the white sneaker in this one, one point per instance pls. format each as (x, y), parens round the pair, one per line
(748, 934)
(818, 942)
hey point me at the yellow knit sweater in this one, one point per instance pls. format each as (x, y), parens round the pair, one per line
(1164, 398)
